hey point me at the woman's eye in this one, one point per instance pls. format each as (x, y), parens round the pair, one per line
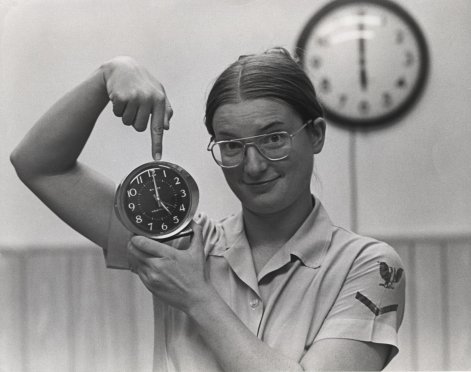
(231, 146)
(274, 138)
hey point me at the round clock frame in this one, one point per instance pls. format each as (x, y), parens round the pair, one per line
(387, 115)
(139, 204)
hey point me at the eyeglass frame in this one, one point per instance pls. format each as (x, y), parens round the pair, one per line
(243, 140)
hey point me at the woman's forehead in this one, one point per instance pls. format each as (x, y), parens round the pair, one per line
(253, 116)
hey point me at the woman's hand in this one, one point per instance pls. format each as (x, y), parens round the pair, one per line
(137, 96)
(177, 277)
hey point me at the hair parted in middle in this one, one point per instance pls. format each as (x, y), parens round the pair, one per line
(274, 74)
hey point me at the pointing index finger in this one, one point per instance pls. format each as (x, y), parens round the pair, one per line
(157, 130)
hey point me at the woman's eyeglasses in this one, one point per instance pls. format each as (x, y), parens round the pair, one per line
(273, 146)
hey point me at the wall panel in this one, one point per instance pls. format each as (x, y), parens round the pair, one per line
(66, 312)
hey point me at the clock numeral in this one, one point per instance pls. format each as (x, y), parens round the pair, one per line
(177, 180)
(138, 218)
(139, 180)
(132, 192)
(151, 224)
(165, 173)
(325, 85)
(409, 58)
(322, 41)
(401, 82)
(131, 206)
(164, 227)
(316, 62)
(175, 219)
(183, 192)
(364, 107)
(387, 100)
(151, 172)
(182, 208)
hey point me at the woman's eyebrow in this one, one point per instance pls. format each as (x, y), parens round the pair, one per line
(271, 125)
(265, 128)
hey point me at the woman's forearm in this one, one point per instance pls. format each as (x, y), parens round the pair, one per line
(234, 346)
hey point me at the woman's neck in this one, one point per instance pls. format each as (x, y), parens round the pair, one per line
(277, 228)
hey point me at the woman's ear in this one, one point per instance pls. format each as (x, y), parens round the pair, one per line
(317, 129)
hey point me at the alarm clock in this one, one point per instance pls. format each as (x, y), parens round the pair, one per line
(157, 200)
(367, 59)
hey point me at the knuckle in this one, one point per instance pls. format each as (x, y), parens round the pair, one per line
(118, 98)
(159, 130)
(133, 95)
(159, 97)
(153, 276)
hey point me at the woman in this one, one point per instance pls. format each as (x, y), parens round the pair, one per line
(275, 287)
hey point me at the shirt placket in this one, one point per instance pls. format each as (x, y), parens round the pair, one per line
(248, 302)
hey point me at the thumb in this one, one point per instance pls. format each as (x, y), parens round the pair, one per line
(196, 243)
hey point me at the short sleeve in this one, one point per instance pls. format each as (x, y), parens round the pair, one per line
(370, 305)
(116, 255)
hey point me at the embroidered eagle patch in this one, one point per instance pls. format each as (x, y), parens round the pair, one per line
(389, 274)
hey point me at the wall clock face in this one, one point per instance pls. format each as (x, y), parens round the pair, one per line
(368, 60)
(157, 200)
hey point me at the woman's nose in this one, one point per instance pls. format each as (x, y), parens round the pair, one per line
(254, 162)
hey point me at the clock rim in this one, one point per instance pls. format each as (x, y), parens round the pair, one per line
(119, 203)
(419, 86)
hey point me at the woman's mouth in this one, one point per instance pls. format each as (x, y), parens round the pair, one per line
(261, 183)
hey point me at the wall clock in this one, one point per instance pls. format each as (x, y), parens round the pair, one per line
(158, 200)
(368, 60)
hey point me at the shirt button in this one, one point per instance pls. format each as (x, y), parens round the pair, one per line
(254, 303)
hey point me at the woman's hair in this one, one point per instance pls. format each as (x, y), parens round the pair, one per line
(273, 74)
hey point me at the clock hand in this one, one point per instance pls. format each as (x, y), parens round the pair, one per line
(161, 204)
(362, 52)
(156, 195)
(168, 204)
(164, 207)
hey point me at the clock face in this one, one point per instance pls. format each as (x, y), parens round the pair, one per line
(368, 60)
(157, 199)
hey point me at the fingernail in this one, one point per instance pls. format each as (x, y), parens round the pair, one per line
(157, 156)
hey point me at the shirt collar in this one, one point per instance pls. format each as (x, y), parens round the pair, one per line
(312, 240)
(309, 243)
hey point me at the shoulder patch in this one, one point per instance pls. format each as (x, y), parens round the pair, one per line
(389, 274)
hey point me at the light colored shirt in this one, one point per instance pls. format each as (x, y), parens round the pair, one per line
(325, 282)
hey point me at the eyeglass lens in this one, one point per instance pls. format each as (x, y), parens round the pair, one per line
(273, 146)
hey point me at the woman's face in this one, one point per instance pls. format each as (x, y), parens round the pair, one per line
(264, 186)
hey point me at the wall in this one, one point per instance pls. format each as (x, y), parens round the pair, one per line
(48, 47)
(413, 179)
